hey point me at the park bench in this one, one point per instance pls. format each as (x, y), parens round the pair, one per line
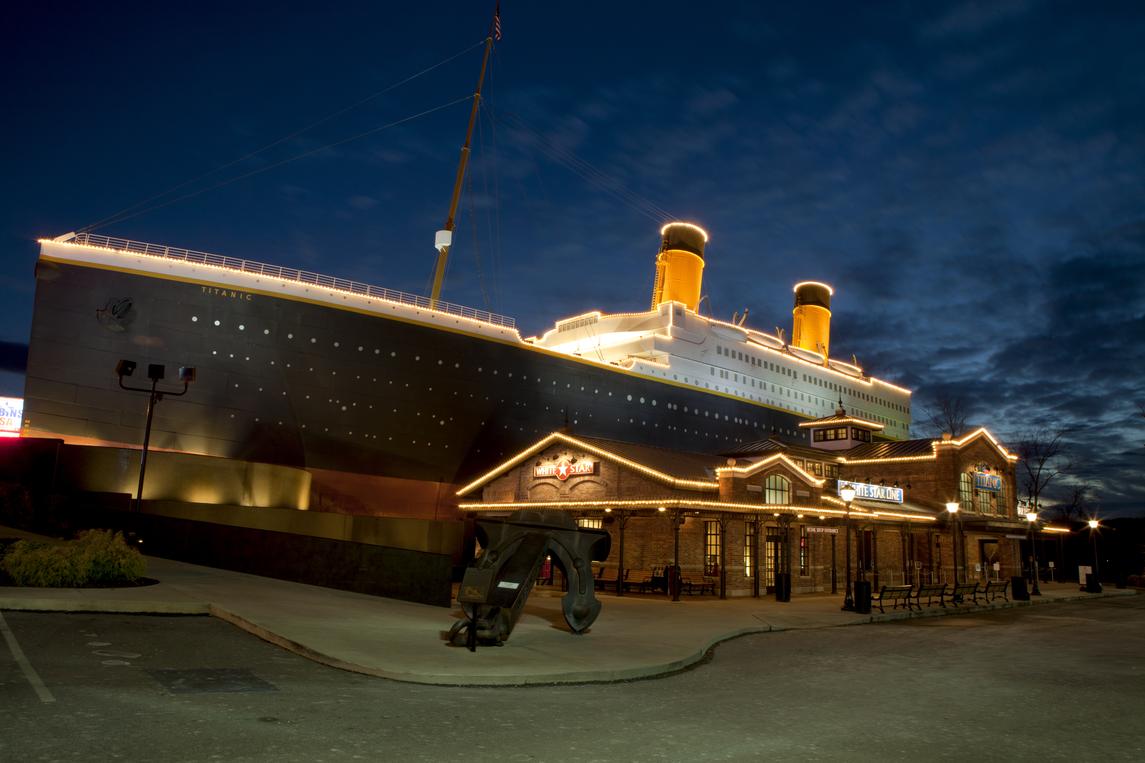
(929, 591)
(644, 581)
(693, 585)
(897, 594)
(602, 582)
(996, 588)
(964, 590)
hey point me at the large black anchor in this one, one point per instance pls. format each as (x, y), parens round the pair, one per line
(495, 587)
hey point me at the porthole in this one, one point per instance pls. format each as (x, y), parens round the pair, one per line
(313, 340)
(194, 319)
(242, 327)
(216, 323)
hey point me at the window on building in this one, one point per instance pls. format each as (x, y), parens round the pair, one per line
(592, 523)
(804, 551)
(749, 550)
(711, 548)
(1003, 507)
(965, 492)
(816, 468)
(777, 490)
(985, 502)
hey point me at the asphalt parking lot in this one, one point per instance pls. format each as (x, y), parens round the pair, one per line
(1065, 681)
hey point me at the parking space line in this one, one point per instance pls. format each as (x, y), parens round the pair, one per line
(25, 666)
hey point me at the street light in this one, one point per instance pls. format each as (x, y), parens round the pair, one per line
(1032, 518)
(155, 372)
(952, 510)
(847, 493)
(1093, 525)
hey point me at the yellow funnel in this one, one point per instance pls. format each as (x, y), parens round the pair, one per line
(679, 265)
(812, 317)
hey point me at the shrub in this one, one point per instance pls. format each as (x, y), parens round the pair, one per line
(99, 557)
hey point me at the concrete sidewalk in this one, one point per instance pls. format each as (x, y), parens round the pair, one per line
(635, 636)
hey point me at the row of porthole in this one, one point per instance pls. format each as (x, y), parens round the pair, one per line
(393, 354)
(642, 400)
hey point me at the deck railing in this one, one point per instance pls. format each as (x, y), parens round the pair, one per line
(292, 275)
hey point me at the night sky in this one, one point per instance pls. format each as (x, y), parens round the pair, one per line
(970, 177)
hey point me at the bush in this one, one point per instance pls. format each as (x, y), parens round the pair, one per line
(97, 557)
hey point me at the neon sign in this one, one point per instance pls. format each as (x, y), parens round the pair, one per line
(562, 470)
(874, 492)
(11, 416)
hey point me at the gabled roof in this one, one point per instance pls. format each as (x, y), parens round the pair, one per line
(746, 470)
(689, 471)
(918, 450)
(840, 417)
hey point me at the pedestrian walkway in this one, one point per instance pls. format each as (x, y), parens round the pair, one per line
(634, 637)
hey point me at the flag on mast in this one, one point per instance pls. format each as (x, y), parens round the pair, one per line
(497, 22)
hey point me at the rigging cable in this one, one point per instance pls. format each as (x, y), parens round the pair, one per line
(290, 159)
(123, 213)
(589, 172)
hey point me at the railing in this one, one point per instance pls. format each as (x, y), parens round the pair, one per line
(292, 275)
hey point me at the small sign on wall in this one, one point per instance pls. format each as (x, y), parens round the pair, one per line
(564, 469)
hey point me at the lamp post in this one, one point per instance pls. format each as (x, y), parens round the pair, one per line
(847, 493)
(155, 372)
(1093, 525)
(1032, 518)
(952, 510)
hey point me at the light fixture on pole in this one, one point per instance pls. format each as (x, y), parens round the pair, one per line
(1093, 526)
(952, 510)
(847, 493)
(155, 373)
(1032, 518)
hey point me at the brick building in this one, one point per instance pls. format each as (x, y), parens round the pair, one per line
(770, 507)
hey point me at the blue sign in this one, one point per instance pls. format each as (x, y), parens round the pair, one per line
(874, 492)
(990, 482)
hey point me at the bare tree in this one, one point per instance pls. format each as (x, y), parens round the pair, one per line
(1078, 504)
(949, 416)
(1043, 460)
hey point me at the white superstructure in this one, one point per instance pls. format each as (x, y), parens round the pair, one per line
(676, 344)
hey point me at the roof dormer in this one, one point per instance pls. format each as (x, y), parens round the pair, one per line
(840, 431)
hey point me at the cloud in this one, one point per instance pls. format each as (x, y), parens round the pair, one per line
(973, 18)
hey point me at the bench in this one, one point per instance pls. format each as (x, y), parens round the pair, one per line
(644, 581)
(691, 585)
(963, 590)
(929, 591)
(602, 583)
(996, 588)
(898, 594)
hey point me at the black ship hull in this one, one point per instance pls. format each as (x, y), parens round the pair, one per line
(287, 381)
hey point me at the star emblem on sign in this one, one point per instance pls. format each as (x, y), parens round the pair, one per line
(564, 469)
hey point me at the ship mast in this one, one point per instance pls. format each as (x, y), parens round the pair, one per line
(444, 237)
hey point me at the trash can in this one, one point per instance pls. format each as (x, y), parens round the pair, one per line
(1092, 583)
(1018, 589)
(863, 597)
(783, 586)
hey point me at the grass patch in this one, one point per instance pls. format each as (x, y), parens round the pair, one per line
(95, 558)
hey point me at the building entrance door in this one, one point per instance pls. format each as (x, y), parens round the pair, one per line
(772, 548)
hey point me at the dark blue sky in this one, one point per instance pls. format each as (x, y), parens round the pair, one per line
(968, 176)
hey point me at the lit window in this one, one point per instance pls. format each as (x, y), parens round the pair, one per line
(777, 489)
(711, 548)
(965, 492)
(749, 550)
(592, 523)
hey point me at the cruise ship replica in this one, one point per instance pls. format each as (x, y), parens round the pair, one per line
(391, 400)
